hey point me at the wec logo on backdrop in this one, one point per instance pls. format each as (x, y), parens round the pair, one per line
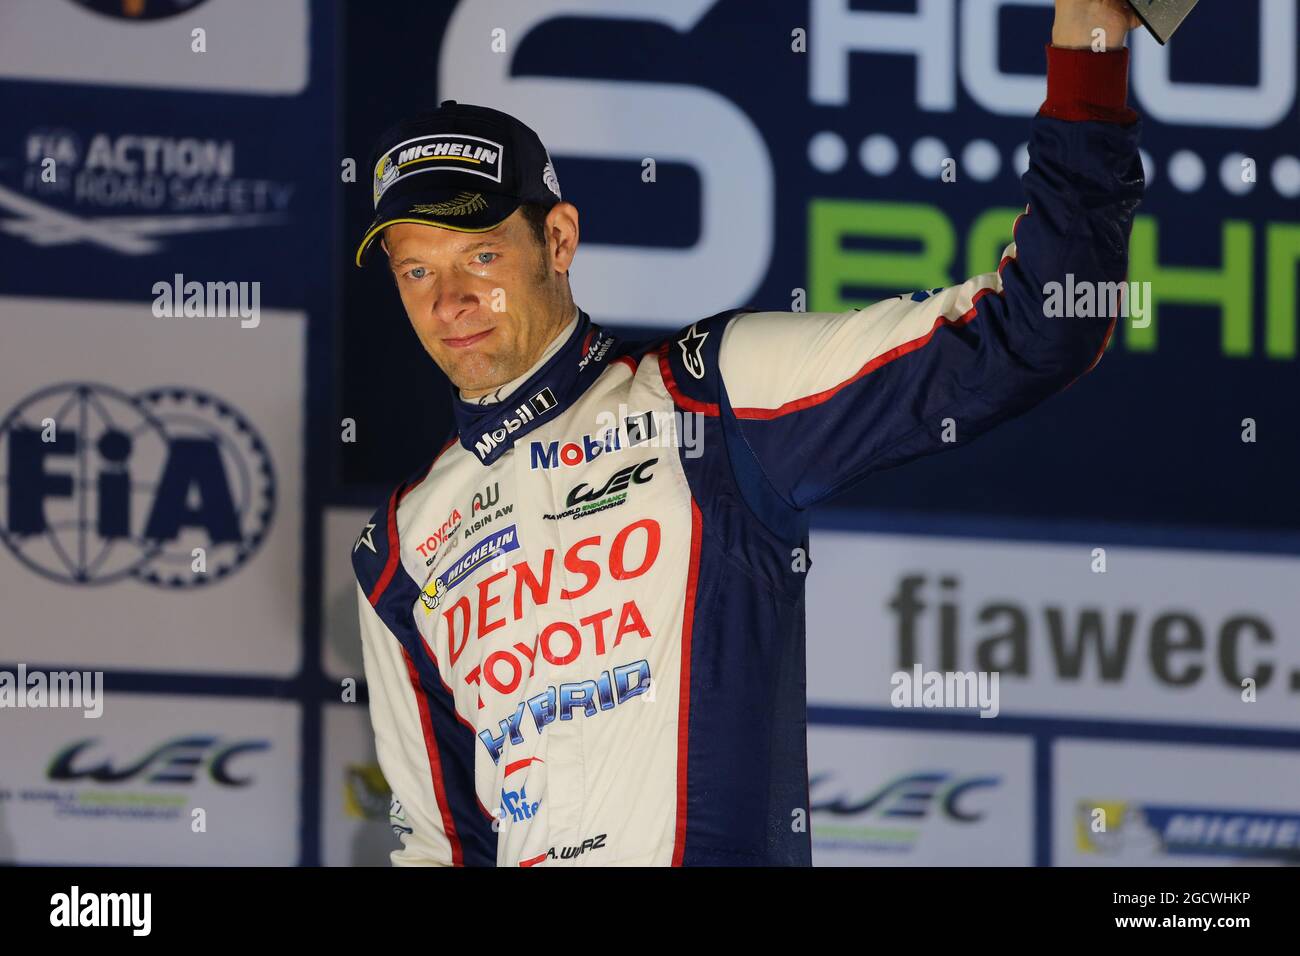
(176, 762)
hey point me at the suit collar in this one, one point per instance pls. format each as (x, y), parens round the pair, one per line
(488, 431)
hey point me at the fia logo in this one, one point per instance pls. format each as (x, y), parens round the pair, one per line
(104, 485)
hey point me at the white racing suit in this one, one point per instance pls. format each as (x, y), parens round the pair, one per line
(583, 624)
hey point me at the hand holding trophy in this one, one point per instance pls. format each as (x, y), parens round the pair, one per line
(1162, 17)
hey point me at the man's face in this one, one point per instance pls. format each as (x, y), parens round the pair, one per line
(485, 305)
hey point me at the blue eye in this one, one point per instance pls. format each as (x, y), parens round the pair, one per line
(417, 273)
(482, 254)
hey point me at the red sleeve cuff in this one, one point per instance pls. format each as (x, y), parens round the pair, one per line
(1083, 85)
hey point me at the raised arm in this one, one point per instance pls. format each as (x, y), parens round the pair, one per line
(823, 399)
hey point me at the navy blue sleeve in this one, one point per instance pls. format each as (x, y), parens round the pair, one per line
(824, 399)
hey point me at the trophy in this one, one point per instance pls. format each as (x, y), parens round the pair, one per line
(1162, 17)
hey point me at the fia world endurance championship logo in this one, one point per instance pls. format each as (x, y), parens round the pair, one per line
(140, 9)
(171, 486)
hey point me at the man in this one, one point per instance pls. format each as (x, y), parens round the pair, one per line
(583, 624)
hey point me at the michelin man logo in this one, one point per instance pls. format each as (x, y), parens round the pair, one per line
(432, 595)
(385, 173)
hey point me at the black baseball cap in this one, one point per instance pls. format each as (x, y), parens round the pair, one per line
(459, 167)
